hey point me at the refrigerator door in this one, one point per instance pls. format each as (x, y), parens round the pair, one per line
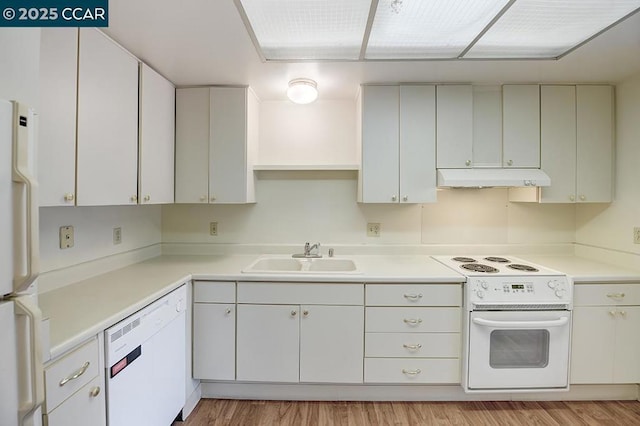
(8, 366)
(6, 199)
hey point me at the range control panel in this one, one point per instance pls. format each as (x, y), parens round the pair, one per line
(519, 289)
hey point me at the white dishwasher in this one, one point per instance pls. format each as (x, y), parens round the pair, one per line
(146, 364)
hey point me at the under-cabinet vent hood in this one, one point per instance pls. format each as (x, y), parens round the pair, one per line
(479, 178)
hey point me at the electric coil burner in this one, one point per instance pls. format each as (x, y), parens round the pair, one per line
(525, 268)
(479, 267)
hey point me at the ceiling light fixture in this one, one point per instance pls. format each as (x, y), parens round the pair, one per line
(302, 91)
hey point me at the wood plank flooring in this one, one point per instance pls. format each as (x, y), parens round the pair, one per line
(297, 413)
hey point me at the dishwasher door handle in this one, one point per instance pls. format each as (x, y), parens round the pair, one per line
(521, 324)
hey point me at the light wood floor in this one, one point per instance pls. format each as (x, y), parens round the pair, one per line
(285, 413)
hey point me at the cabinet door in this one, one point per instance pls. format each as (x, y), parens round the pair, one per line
(595, 143)
(57, 116)
(380, 170)
(85, 407)
(192, 145)
(268, 343)
(214, 341)
(331, 344)
(107, 156)
(592, 344)
(417, 144)
(157, 138)
(455, 126)
(558, 142)
(521, 126)
(228, 145)
(626, 365)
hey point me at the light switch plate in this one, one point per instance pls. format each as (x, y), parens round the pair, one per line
(66, 237)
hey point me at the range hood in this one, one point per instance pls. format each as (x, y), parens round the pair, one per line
(479, 178)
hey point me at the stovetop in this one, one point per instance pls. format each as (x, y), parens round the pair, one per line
(483, 265)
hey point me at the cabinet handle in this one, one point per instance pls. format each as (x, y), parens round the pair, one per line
(572, 197)
(95, 391)
(467, 163)
(147, 198)
(405, 198)
(134, 198)
(412, 347)
(510, 163)
(623, 314)
(69, 197)
(583, 197)
(305, 313)
(227, 311)
(412, 321)
(615, 295)
(394, 198)
(212, 199)
(413, 297)
(203, 198)
(411, 372)
(294, 313)
(612, 313)
(79, 372)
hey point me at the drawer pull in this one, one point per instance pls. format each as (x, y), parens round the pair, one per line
(412, 347)
(412, 321)
(615, 295)
(95, 391)
(79, 372)
(413, 297)
(411, 372)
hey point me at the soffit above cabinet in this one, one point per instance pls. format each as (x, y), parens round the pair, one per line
(294, 30)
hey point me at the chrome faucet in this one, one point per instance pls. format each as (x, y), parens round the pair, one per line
(308, 248)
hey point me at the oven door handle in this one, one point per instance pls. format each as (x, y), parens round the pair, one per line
(521, 324)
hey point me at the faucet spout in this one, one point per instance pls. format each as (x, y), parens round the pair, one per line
(308, 251)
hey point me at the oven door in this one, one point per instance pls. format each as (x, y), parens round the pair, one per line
(518, 350)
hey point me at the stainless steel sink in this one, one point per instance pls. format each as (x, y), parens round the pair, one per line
(289, 265)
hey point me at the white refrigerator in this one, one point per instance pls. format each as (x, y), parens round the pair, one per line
(21, 378)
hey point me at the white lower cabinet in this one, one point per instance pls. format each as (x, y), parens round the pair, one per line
(214, 330)
(413, 337)
(74, 387)
(303, 341)
(605, 341)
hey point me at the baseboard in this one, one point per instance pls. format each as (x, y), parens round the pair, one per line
(191, 402)
(58, 278)
(294, 392)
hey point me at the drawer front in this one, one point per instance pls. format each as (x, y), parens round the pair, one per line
(73, 371)
(414, 295)
(411, 370)
(85, 407)
(214, 292)
(606, 294)
(412, 345)
(412, 320)
(301, 293)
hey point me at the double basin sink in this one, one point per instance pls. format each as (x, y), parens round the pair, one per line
(289, 265)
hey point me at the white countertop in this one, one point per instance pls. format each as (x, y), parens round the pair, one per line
(83, 309)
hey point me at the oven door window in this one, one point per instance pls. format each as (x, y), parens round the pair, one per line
(519, 349)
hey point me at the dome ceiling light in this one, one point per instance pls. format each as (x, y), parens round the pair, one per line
(302, 91)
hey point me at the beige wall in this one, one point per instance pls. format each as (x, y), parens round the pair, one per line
(611, 226)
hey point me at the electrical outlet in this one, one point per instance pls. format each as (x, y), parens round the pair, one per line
(117, 235)
(373, 229)
(66, 237)
(213, 228)
(636, 235)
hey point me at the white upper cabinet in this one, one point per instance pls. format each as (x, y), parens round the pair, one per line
(594, 111)
(397, 144)
(157, 138)
(521, 126)
(216, 141)
(455, 126)
(57, 116)
(487, 126)
(107, 145)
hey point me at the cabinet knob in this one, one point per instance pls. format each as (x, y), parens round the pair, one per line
(509, 162)
(203, 198)
(95, 391)
(294, 313)
(147, 198)
(623, 313)
(405, 198)
(69, 196)
(212, 199)
(394, 198)
(612, 313)
(467, 163)
(227, 311)
(134, 198)
(582, 197)
(572, 197)
(305, 313)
